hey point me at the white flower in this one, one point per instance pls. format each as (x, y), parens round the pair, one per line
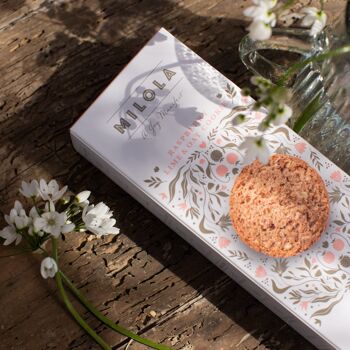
(10, 235)
(54, 223)
(98, 219)
(262, 11)
(51, 191)
(33, 214)
(48, 267)
(82, 196)
(284, 112)
(255, 147)
(22, 221)
(17, 210)
(18, 217)
(263, 19)
(30, 190)
(315, 18)
(258, 30)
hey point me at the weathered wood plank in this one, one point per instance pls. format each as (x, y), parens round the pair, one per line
(57, 57)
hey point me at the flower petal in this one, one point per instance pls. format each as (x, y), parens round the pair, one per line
(258, 30)
(67, 228)
(39, 223)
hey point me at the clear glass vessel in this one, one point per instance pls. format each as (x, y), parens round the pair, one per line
(320, 89)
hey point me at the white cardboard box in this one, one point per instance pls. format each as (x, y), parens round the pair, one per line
(162, 131)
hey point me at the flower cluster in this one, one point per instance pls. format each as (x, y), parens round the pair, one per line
(264, 14)
(272, 100)
(54, 212)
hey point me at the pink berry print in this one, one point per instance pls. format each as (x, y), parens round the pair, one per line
(260, 272)
(245, 99)
(202, 144)
(221, 170)
(223, 242)
(304, 305)
(183, 206)
(202, 161)
(328, 258)
(338, 244)
(300, 147)
(259, 115)
(232, 158)
(336, 176)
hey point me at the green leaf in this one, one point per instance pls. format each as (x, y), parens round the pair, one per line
(323, 299)
(203, 228)
(326, 310)
(277, 289)
(172, 185)
(222, 194)
(308, 113)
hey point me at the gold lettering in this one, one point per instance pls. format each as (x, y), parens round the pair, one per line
(168, 73)
(122, 126)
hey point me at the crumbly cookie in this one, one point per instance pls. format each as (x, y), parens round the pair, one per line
(279, 209)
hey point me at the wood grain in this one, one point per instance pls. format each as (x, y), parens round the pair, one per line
(57, 56)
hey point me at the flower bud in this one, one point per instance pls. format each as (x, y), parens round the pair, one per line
(82, 196)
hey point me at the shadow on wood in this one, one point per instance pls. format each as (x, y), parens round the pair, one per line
(150, 267)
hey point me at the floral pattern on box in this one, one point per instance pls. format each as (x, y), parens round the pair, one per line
(314, 282)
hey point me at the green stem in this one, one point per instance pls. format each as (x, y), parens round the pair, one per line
(322, 4)
(107, 321)
(309, 111)
(71, 308)
(321, 57)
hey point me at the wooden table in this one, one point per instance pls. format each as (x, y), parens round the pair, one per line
(56, 58)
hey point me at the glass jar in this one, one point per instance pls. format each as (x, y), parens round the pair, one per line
(320, 89)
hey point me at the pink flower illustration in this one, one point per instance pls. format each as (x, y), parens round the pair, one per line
(223, 242)
(182, 206)
(300, 147)
(260, 272)
(232, 158)
(245, 99)
(336, 176)
(221, 170)
(259, 115)
(218, 141)
(328, 257)
(202, 161)
(338, 244)
(163, 195)
(202, 144)
(304, 305)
